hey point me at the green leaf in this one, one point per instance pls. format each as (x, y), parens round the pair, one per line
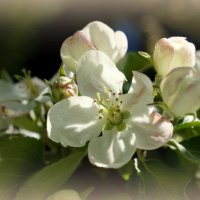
(4, 75)
(25, 122)
(3, 124)
(187, 125)
(190, 149)
(50, 179)
(187, 130)
(127, 170)
(133, 61)
(19, 157)
(164, 182)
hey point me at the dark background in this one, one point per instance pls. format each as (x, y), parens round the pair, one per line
(32, 31)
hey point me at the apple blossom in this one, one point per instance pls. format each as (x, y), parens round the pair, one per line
(173, 52)
(181, 91)
(125, 120)
(18, 99)
(66, 194)
(95, 36)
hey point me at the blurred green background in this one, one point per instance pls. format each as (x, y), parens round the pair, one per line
(32, 31)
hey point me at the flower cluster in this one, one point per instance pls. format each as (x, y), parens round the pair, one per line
(98, 105)
(174, 60)
(114, 124)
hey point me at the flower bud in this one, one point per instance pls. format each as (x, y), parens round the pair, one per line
(63, 88)
(172, 53)
(65, 195)
(181, 91)
(95, 36)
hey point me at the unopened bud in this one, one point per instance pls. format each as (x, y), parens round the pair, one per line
(172, 53)
(63, 88)
(181, 91)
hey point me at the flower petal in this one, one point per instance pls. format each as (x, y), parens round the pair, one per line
(72, 49)
(9, 91)
(140, 93)
(112, 150)
(73, 121)
(65, 194)
(173, 52)
(122, 45)
(151, 131)
(181, 91)
(162, 56)
(113, 44)
(96, 71)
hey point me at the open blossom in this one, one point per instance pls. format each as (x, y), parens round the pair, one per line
(65, 195)
(97, 36)
(125, 121)
(173, 52)
(181, 91)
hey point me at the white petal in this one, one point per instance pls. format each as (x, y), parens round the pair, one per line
(102, 36)
(171, 53)
(96, 71)
(65, 194)
(151, 131)
(184, 52)
(11, 91)
(140, 93)
(73, 121)
(162, 56)
(122, 45)
(114, 44)
(112, 150)
(73, 48)
(15, 108)
(181, 91)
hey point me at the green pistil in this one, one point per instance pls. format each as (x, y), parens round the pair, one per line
(111, 111)
(126, 114)
(121, 127)
(116, 120)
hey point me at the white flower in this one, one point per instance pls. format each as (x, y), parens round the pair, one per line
(16, 99)
(125, 120)
(97, 36)
(181, 91)
(172, 53)
(65, 195)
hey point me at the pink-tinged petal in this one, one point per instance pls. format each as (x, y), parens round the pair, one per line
(74, 121)
(73, 48)
(112, 150)
(162, 56)
(152, 131)
(173, 52)
(97, 72)
(181, 91)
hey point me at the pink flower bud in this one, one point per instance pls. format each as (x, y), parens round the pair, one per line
(63, 88)
(172, 53)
